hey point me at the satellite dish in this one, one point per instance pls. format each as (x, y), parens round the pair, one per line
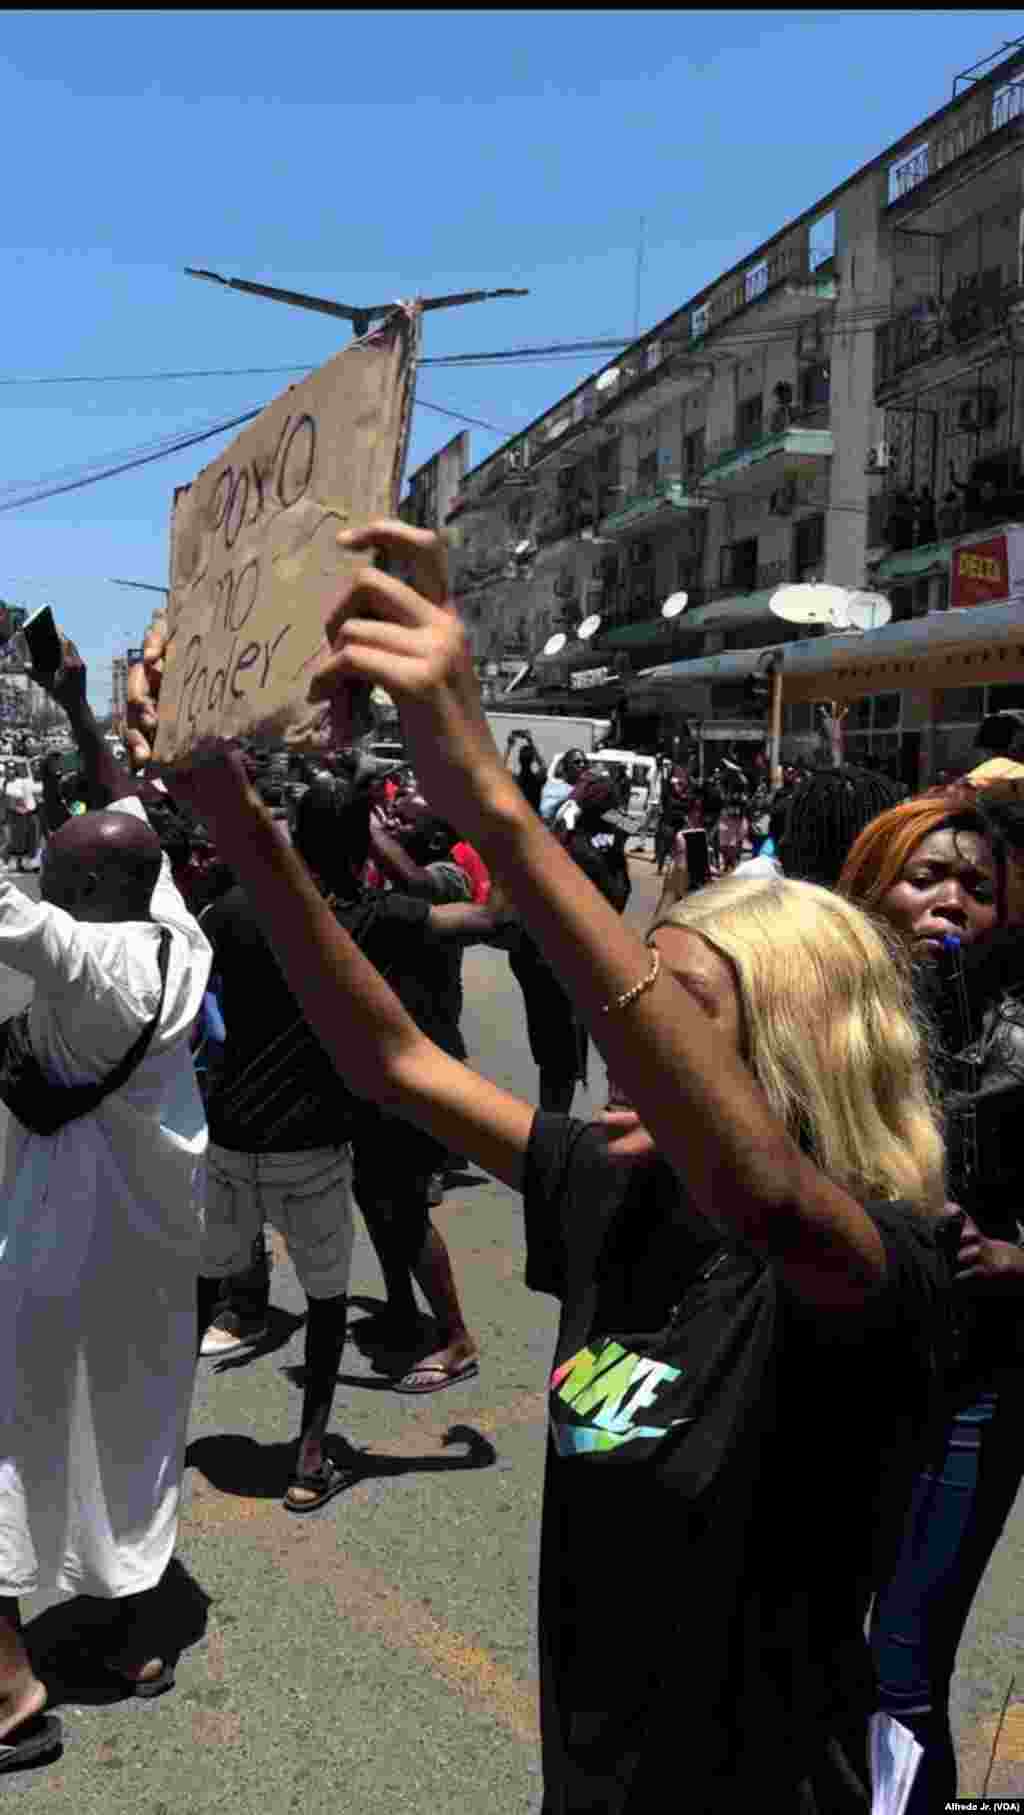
(556, 643)
(673, 606)
(809, 604)
(868, 610)
(589, 627)
(523, 548)
(606, 378)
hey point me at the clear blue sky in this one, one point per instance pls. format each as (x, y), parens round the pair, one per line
(372, 155)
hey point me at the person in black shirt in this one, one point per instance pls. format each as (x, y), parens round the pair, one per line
(557, 1037)
(416, 945)
(279, 1132)
(799, 1146)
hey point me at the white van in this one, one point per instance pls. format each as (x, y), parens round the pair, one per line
(644, 776)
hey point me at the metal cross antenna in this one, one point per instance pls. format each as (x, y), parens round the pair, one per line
(361, 319)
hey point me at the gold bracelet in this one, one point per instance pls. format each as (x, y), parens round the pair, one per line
(638, 989)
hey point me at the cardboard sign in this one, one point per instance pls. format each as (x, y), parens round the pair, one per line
(254, 557)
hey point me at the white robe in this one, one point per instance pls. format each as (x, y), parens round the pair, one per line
(99, 1246)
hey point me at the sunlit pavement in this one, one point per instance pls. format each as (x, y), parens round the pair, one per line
(378, 1657)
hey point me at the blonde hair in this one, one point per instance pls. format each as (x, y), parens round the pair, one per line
(831, 1031)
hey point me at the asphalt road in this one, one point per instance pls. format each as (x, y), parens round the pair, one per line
(379, 1656)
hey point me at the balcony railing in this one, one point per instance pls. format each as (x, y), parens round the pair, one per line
(779, 423)
(967, 130)
(931, 327)
(786, 265)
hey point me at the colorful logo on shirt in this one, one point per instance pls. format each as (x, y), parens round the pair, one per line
(596, 1398)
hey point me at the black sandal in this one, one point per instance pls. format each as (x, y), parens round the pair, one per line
(34, 1738)
(327, 1481)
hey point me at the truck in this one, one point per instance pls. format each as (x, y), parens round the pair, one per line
(550, 733)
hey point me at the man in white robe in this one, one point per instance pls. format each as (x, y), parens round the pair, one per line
(99, 1239)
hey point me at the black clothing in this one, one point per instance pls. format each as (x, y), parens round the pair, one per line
(277, 1090)
(558, 1039)
(601, 855)
(983, 1025)
(714, 1642)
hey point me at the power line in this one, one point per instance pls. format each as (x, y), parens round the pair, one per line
(862, 318)
(90, 472)
(124, 466)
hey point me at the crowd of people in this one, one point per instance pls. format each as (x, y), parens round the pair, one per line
(787, 1255)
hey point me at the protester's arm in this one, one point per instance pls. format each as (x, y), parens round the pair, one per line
(704, 1109)
(395, 864)
(462, 920)
(376, 1046)
(105, 779)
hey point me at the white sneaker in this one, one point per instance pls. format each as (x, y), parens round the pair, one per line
(229, 1332)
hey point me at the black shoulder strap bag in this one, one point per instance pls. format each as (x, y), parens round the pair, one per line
(43, 1105)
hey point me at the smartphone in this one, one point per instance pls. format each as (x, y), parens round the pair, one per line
(39, 640)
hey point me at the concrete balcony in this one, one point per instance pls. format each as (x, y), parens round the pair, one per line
(801, 446)
(932, 328)
(653, 505)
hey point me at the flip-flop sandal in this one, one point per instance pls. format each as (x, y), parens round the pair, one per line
(328, 1481)
(35, 1738)
(438, 1377)
(144, 1687)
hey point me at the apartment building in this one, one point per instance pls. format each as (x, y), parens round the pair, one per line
(843, 405)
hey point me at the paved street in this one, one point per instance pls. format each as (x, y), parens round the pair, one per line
(379, 1657)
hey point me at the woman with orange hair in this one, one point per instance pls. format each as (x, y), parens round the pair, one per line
(928, 868)
(935, 868)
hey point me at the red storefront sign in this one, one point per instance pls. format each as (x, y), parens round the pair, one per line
(980, 573)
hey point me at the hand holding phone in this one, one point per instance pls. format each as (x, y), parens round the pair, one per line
(39, 638)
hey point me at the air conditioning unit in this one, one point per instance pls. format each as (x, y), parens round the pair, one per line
(880, 457)
(783, 501)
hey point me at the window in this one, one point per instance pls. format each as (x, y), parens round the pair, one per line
(907, 172)
(815, 383)
(749, 416)
(699, 321)
(693, 453)
(959, 705)
(755, 283)
(808, 547)
(647, 472)
(1007, 103)
(739, 565)
(822, 240)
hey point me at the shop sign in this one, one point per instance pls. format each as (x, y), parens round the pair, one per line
(987, 572)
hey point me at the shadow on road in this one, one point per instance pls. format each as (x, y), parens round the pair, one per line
(239, 1465)
(67, 1643)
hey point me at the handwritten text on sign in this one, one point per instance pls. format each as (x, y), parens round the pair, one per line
(254, 557)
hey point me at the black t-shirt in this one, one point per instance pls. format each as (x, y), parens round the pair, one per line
(277, 1090)
(270, 1057)
(717, 1643)
(600, 853)
(422, 967)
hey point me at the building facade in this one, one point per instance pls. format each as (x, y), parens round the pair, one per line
(845, 405)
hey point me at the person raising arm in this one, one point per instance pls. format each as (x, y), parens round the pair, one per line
(705, 1112)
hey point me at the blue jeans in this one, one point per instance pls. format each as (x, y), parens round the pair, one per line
(956, 1516)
